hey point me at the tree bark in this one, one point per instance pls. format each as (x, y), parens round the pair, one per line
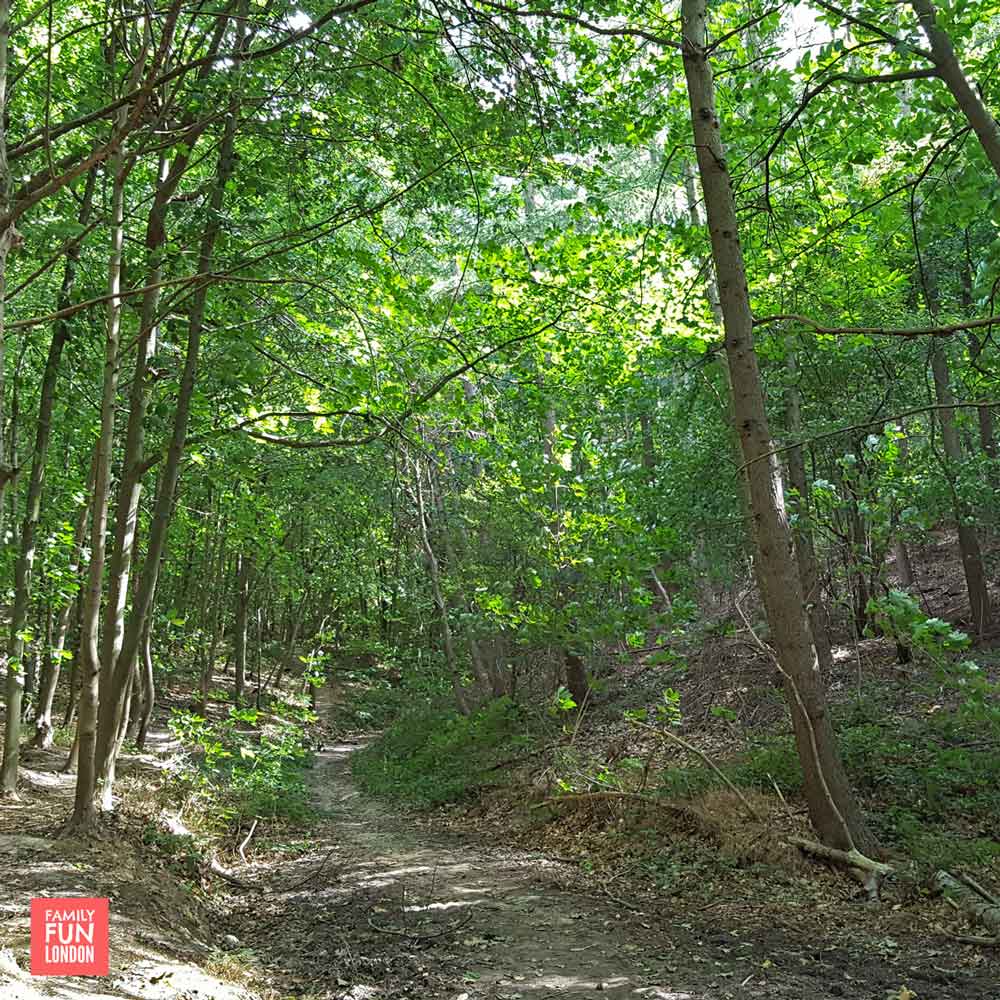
(805, 543)
(950, 71)
(14, 687)
(50, 676)
(832, 806)
(88, 658)
(148, 683)
(434, 574)
(130, 485)
(32, 512)
(242, 624)
(163, 506)
(968, 540)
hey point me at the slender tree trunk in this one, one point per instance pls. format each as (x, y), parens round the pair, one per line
(241, 626)
(212, 597)
(74, 664)
(987, 433)
(88, 663)
(217, 623)
(50, 677)
(434, 574)
(968, 539)
(9, 240)
(163, 506)
(130, 484)
(715, 304)
(832, 807)
(800, 508)
(148, 683)
(14, 686)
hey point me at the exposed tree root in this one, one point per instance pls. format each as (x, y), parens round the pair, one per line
(868, 872)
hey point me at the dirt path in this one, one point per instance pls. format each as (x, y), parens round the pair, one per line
(379, 907)
(397, 911)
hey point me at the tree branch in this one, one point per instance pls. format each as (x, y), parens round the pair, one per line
(878, 331)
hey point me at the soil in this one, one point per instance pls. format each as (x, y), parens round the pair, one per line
(381, 906)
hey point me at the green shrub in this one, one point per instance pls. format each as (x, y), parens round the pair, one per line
(430, 756)
(246, 766)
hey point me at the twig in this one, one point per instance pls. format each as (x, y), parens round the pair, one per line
(991, 942)
(784, 801)
(419, 937)
(309, 877)
(666, 734)
(246, 840)
(217, 869)
(973, 884)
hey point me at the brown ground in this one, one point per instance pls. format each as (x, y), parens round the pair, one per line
(387, 906)
(380, 904)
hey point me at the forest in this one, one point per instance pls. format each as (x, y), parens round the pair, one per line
(501, 498)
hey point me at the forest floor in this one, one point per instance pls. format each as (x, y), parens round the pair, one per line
(383, 907)
(374, 903)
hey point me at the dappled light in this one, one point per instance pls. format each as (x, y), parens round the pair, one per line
(499, 500)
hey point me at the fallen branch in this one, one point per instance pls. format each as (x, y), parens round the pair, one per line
(979, 905)
(309, 877)
(216, 869)
(666, 734)
(968, 938)
(246, 840)
(853, 858)
(868, 872)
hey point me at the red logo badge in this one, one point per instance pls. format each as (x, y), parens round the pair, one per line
(69, 937)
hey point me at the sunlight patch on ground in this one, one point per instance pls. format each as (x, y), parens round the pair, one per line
(451, 905)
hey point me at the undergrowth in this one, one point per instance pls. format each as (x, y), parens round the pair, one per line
(931, 779)
(247, 765)
(430, 756)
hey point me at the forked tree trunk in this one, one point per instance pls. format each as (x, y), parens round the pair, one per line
(164, 504)
(130, 485)
(832, 806)
(88, 657)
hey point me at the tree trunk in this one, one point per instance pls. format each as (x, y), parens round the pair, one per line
(968, 540)
(50, 677)
(130, 484)
(951, 72)
(88, 658)
(14, 687)
(800, 508)
(987, 433)
(9, 238)
(218, 620)
(434, 573)
(163, 506)
(148, 683)
(832, 807)
(241, 627)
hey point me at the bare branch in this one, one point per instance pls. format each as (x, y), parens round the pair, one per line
(879, 331)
